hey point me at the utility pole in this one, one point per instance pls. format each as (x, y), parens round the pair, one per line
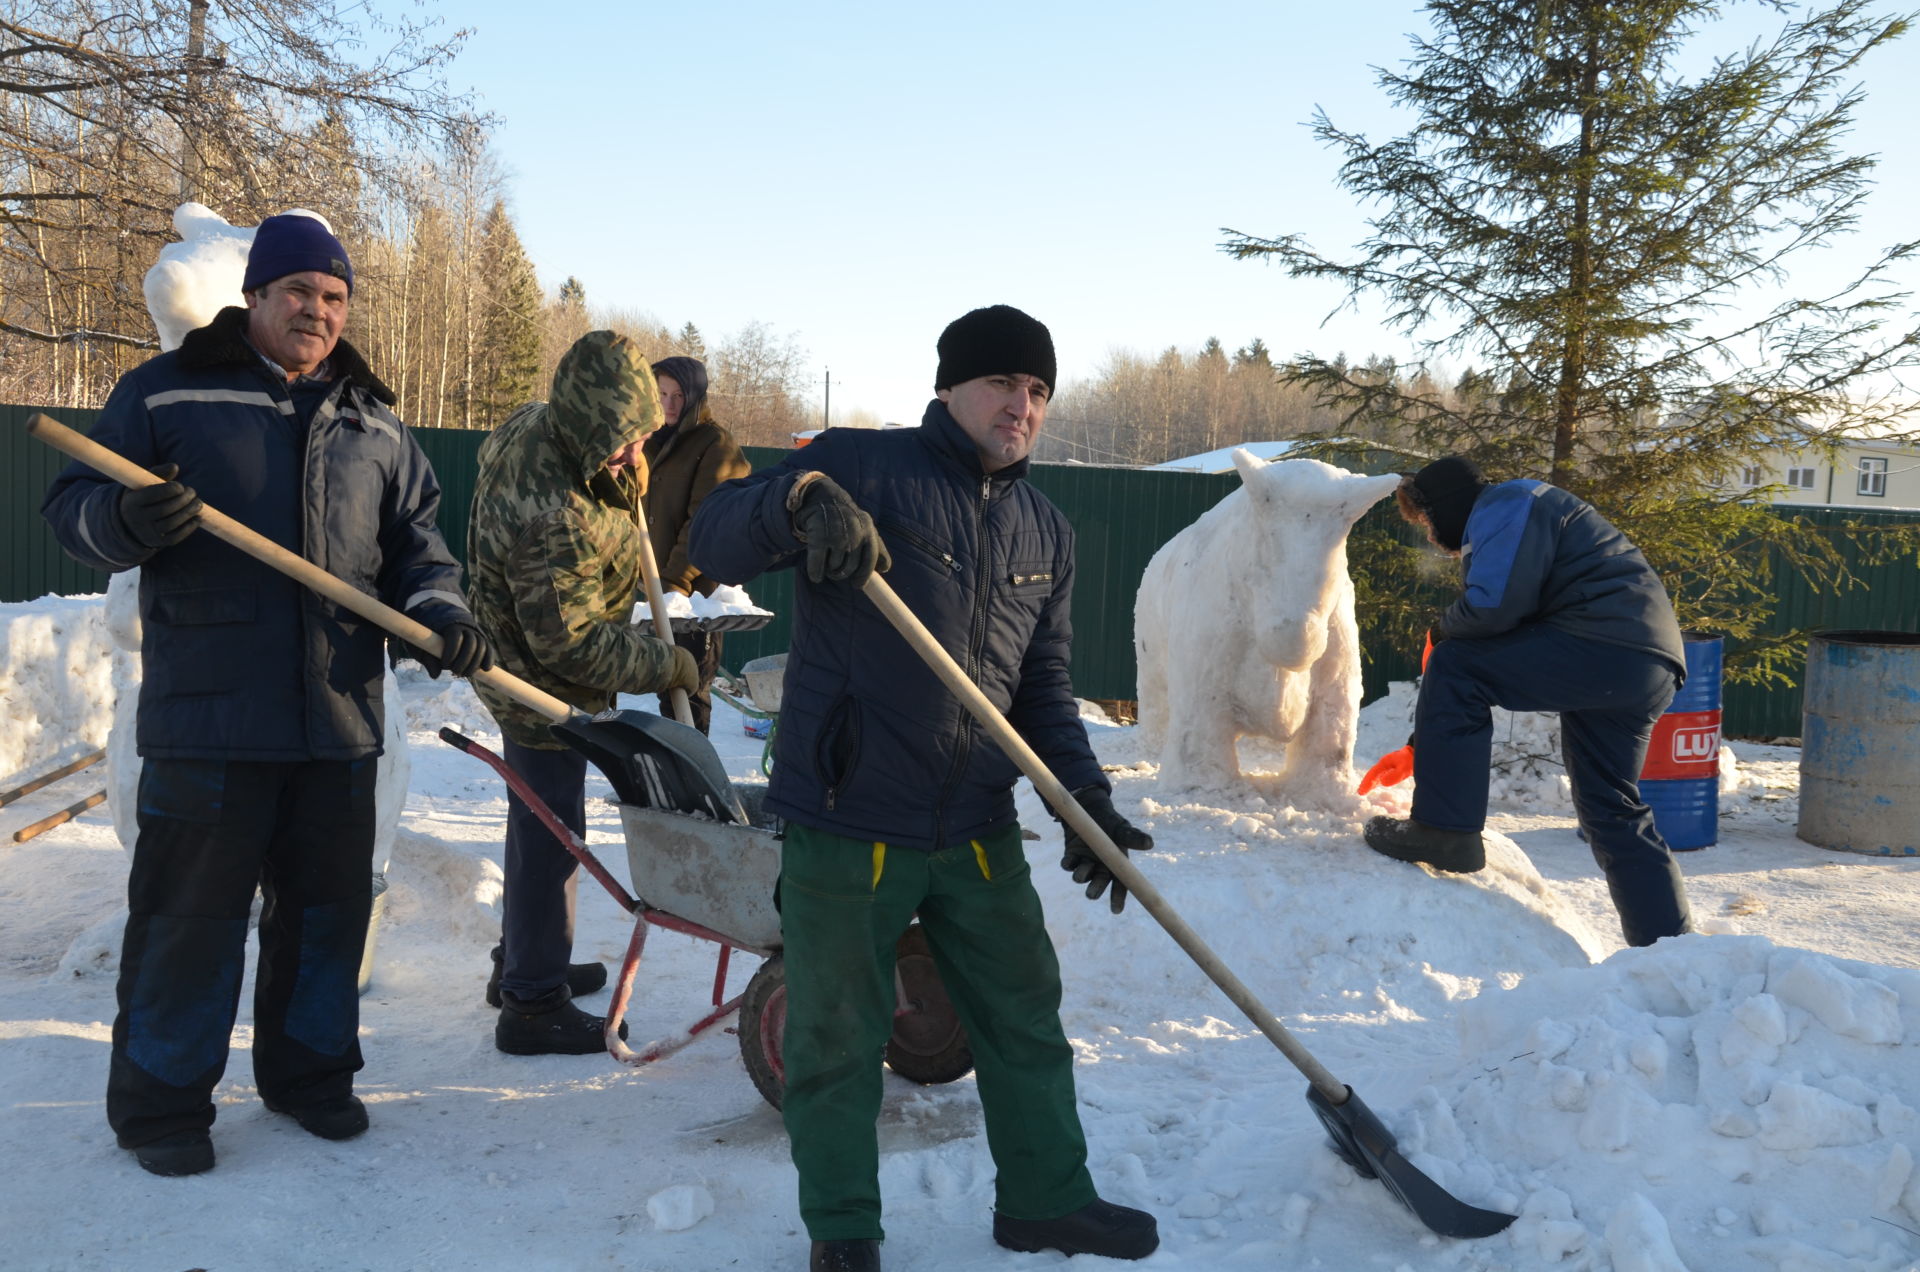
(196, 67)
(826, 411)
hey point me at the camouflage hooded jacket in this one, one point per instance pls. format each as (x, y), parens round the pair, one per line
(554, 554)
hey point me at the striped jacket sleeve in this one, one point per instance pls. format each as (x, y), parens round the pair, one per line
(83, 506)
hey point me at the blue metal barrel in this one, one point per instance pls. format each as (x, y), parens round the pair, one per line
(1860, 743)
(1681, 778)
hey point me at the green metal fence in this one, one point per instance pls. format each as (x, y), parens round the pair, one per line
(1120, 515)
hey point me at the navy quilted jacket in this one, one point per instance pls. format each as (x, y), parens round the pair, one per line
(241, 662)
(870, 744)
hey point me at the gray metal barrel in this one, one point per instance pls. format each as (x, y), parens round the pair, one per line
(1860, 743)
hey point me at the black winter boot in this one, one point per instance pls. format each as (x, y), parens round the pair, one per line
(181, 1153)
(1455, 851)
(582, 978)
(1099, 1227)
(336, 1119)
(845, 1256)
(549, 1025)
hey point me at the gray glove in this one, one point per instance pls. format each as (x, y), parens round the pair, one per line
(1080, 858)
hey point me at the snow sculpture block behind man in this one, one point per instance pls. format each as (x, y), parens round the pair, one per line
(1244, 627)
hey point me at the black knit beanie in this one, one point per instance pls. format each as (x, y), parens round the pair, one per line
(997, 340)
(691, 375)
(1446, 491)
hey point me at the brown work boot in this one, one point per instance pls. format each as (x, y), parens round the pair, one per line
(1455, 851)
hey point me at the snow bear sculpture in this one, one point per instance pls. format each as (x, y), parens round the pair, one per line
(193, 281)
(1244, 627)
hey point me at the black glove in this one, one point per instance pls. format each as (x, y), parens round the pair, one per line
(1084, 863)
(842, 544)
(463, 650)
(160, 516)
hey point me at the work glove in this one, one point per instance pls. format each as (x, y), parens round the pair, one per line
(1390, 769)
(160, 516)
(1083, 863)
(463, 650)
(842, 544)
(683, 672)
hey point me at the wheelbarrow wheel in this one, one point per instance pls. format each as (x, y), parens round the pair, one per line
(763, 1022)
(929, 1044)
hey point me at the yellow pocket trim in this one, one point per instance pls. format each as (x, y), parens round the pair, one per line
(879, 863)
(980, 855)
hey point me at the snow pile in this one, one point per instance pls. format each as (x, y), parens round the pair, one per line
(727, 601)
(1743, 1104)
(56, 683)
(427, 705)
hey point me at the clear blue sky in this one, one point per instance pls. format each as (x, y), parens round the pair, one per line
(860, 174)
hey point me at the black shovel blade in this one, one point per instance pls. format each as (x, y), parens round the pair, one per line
(1370, 1148)
(654, 762)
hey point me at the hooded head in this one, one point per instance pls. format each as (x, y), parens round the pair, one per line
(691, 375)
(604, 398)
(1444, 492)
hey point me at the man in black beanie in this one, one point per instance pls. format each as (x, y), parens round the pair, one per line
(1561, 613)
(897, 803)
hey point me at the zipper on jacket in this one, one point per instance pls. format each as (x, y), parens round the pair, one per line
(976, 639)
(899, 531)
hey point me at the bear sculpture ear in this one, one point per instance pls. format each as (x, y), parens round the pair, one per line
(1249, 464)
(1364, 492)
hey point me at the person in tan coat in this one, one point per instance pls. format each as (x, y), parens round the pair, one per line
(688, 455)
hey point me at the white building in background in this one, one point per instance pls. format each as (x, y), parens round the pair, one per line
(1861, 473)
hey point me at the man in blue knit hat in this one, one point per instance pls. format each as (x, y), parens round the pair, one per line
(260, 713)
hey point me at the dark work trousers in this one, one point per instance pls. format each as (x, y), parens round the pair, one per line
(843, 903)
(705, 648)
(210, 832)
(536, 916)
(1608, 698)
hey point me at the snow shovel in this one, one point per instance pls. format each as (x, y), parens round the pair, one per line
(657, 607)
(647, 759)
(1358, 1136)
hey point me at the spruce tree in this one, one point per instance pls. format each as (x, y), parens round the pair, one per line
(1589, 226)
(510, 341)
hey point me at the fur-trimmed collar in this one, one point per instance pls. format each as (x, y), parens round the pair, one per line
(223, 342)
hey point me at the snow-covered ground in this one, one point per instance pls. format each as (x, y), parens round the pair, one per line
(1741, 1099)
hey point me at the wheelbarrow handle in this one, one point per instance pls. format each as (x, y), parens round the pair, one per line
(261, 548)
(1124, 871)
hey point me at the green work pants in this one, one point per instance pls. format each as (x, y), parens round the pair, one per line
(843, 904)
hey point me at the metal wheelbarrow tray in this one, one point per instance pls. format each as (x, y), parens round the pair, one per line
(715, 880)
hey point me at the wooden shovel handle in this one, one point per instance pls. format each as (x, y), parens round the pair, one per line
(1063, 803)
(223, 527)
(657, 606)
(48, 779)
(66, 814)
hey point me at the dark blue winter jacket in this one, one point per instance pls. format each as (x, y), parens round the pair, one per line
(241, 662)
(1532, 553)
(870, 744)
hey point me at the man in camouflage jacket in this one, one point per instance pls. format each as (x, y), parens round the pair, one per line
(555, 559)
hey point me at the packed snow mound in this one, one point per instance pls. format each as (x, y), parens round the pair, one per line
(1709, 1102)
(1301, 909)
(56, 683)
(727, 602)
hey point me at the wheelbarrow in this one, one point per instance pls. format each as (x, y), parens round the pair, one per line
(714, 880)
(667, 779)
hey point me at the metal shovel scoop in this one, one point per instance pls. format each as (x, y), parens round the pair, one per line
(1358, 1136)
(651, 762)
